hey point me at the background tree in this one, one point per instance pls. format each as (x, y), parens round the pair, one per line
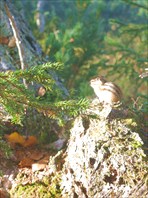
(99, 37)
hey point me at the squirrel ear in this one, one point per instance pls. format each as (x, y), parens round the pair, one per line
(98, 77)
(102, 79)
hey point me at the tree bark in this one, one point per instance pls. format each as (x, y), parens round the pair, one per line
(32, 53)
(20, 50)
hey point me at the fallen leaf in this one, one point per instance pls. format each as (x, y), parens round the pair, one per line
(45, 160)
(20, 153)
(30, 141)
(26, 162)
(12, 42)
(4, 40)
(4, 193)
(36, 155)
(38, 167)
(15, 138)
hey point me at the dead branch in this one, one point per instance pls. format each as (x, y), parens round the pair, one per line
(18, 40)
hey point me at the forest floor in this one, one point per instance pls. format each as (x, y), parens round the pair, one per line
(33, 170)
(26, 166)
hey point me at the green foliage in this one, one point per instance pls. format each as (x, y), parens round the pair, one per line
(138, 3)
(96, 38)
(68, 41)
(5, 149)
(16, 98)
(49, 187)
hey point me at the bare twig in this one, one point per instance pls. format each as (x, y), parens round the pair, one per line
(18, 40)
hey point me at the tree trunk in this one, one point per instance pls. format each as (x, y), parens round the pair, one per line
(9, 52)
(20, 50)
(31, 50)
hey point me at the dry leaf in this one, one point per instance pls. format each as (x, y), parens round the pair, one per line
(36, 155)
(12, 42)
(4, 193)
(15, 138)
(20, 153)
(4, 40)
(30, 141)
(38, 166)
(26, 162)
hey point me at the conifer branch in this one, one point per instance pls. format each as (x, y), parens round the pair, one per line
(136, 4)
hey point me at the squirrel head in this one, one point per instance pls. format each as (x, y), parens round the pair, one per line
(100, 80)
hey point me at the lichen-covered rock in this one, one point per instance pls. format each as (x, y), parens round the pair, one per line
(104, 158)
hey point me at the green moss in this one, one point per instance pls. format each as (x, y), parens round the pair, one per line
(130, 122)
(47, 188)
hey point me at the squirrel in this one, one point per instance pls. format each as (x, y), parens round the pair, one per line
(107, 92)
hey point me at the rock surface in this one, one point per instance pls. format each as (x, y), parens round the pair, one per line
(104, 158)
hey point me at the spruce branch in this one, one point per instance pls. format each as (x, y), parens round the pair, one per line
(40, 73)
(15, 97)
(136, 4)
